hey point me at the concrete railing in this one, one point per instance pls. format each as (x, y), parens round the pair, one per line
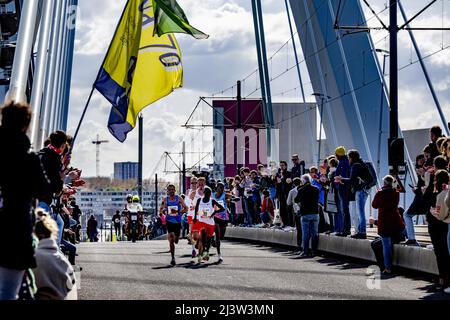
(414, 258)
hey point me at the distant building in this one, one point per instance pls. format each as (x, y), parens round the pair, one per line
(125, 170)
(105, 203)
(232, 150)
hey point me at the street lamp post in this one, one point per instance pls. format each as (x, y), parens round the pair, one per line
(380, 124)
(322, 97)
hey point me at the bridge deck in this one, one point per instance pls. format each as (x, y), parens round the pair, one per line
(123, 270)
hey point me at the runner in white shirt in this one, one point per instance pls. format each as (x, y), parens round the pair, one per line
(199, 192)
(204, 224)
(190, 201)
(201, 187)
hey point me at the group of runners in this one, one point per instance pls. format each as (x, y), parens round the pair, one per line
(207, 216)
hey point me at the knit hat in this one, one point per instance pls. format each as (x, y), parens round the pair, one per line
(340, 151)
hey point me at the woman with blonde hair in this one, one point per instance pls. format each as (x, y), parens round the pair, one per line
(55, 276)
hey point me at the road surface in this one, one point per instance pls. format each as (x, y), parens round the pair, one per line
(141, 271)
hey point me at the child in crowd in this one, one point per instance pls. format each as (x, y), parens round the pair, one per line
(267, 211)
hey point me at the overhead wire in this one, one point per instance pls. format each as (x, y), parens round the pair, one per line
(286, 43)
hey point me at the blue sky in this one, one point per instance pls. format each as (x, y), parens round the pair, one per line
(217, 63)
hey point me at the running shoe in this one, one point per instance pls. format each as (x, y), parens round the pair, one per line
(199, 258)
(194, 254)
(172, 263)
(220, 259)
(205, 256)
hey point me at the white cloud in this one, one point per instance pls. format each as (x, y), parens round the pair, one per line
(96, 26)
(211, 65)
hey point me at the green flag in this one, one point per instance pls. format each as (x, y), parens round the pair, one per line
(170, 18)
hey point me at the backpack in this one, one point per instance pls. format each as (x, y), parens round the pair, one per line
(370, 180)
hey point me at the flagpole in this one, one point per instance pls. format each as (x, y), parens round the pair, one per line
(81, 119)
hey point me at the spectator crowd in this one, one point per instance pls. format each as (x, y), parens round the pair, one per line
(332, 199)
(39, 214)
(42, 220)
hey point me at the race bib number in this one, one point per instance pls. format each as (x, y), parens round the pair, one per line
(134, 218)
(172, 210)
(206, 213)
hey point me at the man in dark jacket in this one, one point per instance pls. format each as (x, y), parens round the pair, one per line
(21, 180)
(92, 229)
(51, 161)
(51, 158)
(435, 134)
(116, 221)
(284, 184)
(299, 167)
(359, 175)
(76, 215)
(308, 200)
(343, 224)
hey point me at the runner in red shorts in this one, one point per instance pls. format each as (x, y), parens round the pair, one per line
(204, 224)
(191, 200)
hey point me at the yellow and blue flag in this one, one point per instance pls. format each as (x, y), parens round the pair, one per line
(139, 69)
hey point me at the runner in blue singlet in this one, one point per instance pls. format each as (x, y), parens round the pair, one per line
(221, 219)
(173, 206)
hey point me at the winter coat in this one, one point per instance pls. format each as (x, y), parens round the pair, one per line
(390, 222)
(51, 161)
(298, 171)
(21, 180)
(308, 199)
(54, 274)
(283, 187)
(343, 170)
(76, 213)
(418, 206)
(92, 226)
(358, 173)
(267, 206)
(116, 217)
